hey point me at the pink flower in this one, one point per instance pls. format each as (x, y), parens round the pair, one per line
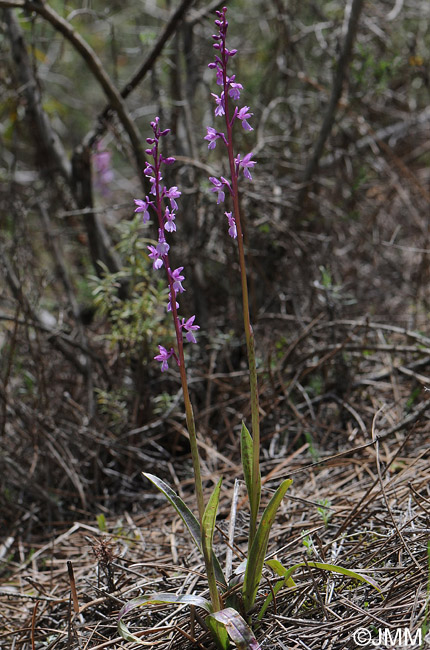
(155, 257)
(177, 279)
(243, 115)
(172, 194)
(169, 223)
(246, 163)
(164, 356)
(219, 110)
(232, 231)
(190, 328)
(212, 136)
(142, 206)
(218, 187)
(234, 89)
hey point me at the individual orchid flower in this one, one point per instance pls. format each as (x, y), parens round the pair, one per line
(234, 90)
(218, 187)
(189, 327)
(162, 246)
(172, 194)
(232, 230)
(177, 279)
(246, 163)
(243, 115)
(142, 206)
(164, 357)
(212, 136)
(169, 304)
(219, 100)
(169, 223)
(156, 257)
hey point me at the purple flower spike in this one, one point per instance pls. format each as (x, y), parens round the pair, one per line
(190, 328)
(164, 356)
(142, 206)
(230, 89)
(159, 253)
(246, 163)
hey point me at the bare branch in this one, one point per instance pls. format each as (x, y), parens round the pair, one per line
(336, 91)
(48, 142)
(52, 152)
(95, 65)
(142, 71)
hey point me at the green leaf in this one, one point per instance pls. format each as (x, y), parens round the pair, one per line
(157, 599)
(289, 582)
(246, 453)
(101, 522)
(209, 517)
(188, 518)
(253, 487)
(219, 633)
(334, 568)
(254, 565)
(208, 528)
(237, 629)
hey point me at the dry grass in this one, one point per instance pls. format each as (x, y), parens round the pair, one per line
(367, 460)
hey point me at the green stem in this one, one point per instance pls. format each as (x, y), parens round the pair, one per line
(191, 425)
(249, 334)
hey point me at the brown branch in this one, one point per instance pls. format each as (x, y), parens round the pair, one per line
(52, 153)
(54, 337)
(101, 249)
(142, 71)
(48, 143)
(336, 91)
(95, 65)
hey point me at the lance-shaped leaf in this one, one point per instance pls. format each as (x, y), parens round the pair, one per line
(208, 528)
(254, 565)
(157, 599)
(188, 518)
(253, 486)
(287, 580)
(334, 568)
(237, 629)
(219, 633)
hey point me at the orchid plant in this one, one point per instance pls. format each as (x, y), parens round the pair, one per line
(228, 616)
